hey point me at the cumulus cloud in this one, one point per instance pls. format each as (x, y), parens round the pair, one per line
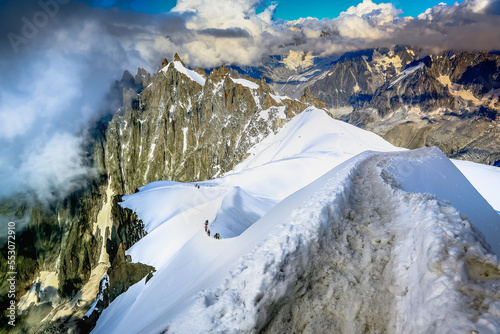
(227, 31)
(367, 20)
(376, 14)
(55, 167)
(57, 68)
(469, 25)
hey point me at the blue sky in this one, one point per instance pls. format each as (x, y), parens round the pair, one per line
(291, 9)
(294, 9)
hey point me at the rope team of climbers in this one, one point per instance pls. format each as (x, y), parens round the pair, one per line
(207, 230)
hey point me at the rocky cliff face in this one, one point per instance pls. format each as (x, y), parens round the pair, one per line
(457, 81)
(357, 75)
(449, 100)
(177, 124)
(190, 127)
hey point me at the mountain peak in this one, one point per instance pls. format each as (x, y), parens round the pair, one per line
(309, 98)
(219, 73)
(164, 62)
(177, 58)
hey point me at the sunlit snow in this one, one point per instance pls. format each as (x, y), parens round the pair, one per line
(406, 73)
(329, 226)
(246, 83)
(189, 73)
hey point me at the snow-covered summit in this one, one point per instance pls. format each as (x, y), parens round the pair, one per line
(325, 227)
(193, 75)
(200, 79)
(314, 134)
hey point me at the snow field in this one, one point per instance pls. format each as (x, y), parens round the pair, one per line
(359, 255)
(372, 245)
(246, 83)
(198, 78)
(486, 179)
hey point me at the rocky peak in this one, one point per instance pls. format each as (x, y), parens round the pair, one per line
(450, 100)
(308, 98)
(458, 82)
(222, 71)
(201, 71)
(142, 78)
(180, 130)
(128, 80)
(164, 63)
(219, 74)
(177, 58)
(358, 74)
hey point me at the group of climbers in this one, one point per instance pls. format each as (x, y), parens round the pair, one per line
(207, 230)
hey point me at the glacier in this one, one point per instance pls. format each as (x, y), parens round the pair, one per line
(325, 228)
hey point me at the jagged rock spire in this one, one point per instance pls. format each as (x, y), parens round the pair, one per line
(309, 98)
(201, 71)
(164, 62)
(177, 58)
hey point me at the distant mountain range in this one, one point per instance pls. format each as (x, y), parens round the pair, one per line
(450, 100)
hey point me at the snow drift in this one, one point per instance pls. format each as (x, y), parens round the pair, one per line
(380, 242)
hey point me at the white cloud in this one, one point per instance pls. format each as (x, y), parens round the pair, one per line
(215, 24)
(54, 87)
(221, 14)
(368, 20)
(55, 167)
(43, 91)
(376, 14)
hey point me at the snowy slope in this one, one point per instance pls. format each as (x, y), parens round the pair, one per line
(312, 143)
(486, 179)
(246, 83)
(376, 236)
(198, 78)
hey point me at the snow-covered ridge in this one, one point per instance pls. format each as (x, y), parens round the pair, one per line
(246, 83)
(486, 179)
(351, 224)
(196, 77)
(406, 73)
(385, 241)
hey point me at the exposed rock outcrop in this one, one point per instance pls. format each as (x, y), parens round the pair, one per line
(449, 100)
